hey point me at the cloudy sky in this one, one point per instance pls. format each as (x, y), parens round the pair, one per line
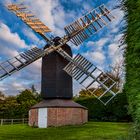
(102, 49)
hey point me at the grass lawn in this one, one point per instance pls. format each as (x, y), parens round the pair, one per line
(89, 131)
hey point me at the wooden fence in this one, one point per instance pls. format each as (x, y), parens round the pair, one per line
(13, 121)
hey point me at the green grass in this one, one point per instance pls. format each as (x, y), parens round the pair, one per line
(89, 131)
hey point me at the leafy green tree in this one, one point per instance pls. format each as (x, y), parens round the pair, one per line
(26, 99)
(9, 107)
(18, 106)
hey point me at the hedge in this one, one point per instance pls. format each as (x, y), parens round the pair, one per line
(116, 110)
(132, 60)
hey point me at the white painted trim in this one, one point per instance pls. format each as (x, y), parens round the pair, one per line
(42, 117)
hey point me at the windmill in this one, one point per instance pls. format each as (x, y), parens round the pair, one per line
(59, 67)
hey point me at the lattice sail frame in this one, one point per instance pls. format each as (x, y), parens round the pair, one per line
(89, 24)
(95, 81)
(18, 62)
(27, 17)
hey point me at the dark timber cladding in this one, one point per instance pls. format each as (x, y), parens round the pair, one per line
(56, 83)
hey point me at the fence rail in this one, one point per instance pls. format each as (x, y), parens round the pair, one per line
(13, 121)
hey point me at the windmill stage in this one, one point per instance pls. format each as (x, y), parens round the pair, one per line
(59, 68)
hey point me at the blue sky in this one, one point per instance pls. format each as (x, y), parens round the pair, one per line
(101, 49)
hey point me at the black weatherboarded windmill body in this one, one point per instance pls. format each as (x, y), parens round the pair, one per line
(59, 67)
(56, 83)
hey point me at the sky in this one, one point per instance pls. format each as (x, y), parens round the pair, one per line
(102, 49)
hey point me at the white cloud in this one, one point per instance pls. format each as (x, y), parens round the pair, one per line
(119, 14)
(112, 49)
(102, 42)
(29, 33)
(96, 53)
(11, 38)
(10, 43)
(116, 53)
(12, 88)
(98, 57)
(51, 13)
(118, 38)
(8, 51)
(17, 86)
(95, 57)
(97, 45)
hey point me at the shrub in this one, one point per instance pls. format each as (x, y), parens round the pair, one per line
(116, 110)
(132, 60)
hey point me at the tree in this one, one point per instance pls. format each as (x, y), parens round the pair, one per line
(2, 96)
(36, 94)
(26, 99)
(9, 107)
(18, 106)
(118, 73)
(91, 92)
(33, 89)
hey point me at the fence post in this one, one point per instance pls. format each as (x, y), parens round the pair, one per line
(1, 122)
(11, 121)
(23, 120)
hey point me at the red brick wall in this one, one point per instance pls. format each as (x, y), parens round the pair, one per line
(60, 116)
(33, 117)
(66, 116)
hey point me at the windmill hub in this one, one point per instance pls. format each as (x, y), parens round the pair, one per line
(56, 40)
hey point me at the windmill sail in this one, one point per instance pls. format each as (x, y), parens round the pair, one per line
(77, 32)
(89, 24)
(95, 81)
(20, 61)
(30, 19)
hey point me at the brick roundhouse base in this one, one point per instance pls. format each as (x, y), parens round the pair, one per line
(57, 112)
